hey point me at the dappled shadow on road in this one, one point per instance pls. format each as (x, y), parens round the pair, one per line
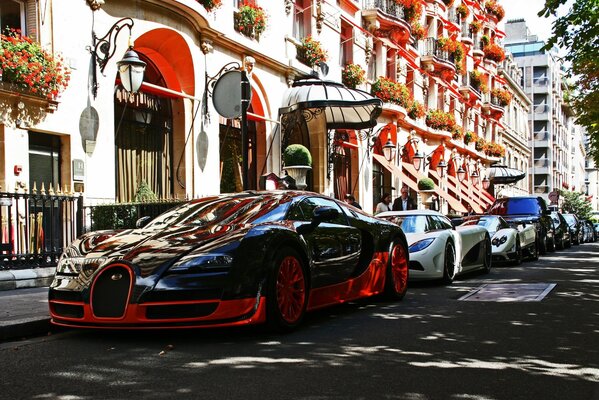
(430, 346)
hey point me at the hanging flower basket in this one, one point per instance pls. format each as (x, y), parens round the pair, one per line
(392, 92)
(474, 27)
(24, 63)
(494, 52)
(412, 9)
(469, 137)
(310, 52)
(250, 20)
(353, 75)
(476, 79)
(462, 11)
(480, 144)
(418, 31)
(210, 5)
(495, 150)
(494, 9)
(503, 96)
(416, 110)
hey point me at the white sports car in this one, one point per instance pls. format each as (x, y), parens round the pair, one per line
(510, 242)
(437, 249)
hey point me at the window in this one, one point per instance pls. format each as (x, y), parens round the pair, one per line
(346, 44)
(12, 15)
(391, 65)
(305, 210)
(302, 18)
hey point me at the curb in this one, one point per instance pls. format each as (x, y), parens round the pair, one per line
(24, 328)
(26, 278)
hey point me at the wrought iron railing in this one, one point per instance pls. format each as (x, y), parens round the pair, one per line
(389, 7)
(37, 227)
(431, 48)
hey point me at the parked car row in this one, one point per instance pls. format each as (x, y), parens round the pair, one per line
(270, 257)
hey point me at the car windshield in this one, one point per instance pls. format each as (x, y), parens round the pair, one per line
(515, 206)
(225, 210)
(490, 223)
(412, 223)
(570, 219)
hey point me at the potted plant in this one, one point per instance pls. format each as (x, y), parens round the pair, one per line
(474, 27)
(310, 52)
(476, 79)
(494, 52)
(438, 119)
(426, 184)
(412, 9)
(250, 19)
(494, 9)
(353, 75)
(391, 92)
(25, 64)
(416, 110)
(297, 160)
(210, 5)
(503, 96)
(469, 136)
(462, 11)
(418, 31)
(480, 144)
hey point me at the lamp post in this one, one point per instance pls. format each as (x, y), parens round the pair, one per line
(486, 183)
(389, 149)
(131, 67)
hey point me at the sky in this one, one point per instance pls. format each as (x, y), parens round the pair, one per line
(528, 10)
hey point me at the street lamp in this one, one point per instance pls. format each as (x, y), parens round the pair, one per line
(475, 177)
(419, 158)
(389, 149)
(131, 67)
(486, 183)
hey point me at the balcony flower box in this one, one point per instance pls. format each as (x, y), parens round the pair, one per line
(418, 31)
(503, 96)
(462, 11)
(353, 75)
(441, 120)
(494, 9)
(469, 137)
(392, 92)
(474, 27)
(495, 150)
(480, 144)
(416, 110)
(494, 52)
(250, 20)
(25, 64)
(210, 5)
(412, 9)
(310, 52)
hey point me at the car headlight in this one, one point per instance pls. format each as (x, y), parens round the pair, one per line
(203, 262)
(77, 265)
(499, 241)
(420, 245)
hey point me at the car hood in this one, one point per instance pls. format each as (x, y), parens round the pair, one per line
(150, 249)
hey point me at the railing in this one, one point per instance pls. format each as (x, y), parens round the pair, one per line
(495, 101)
(389, 7)
(37, 227)
(469, 83)
(479, 44)
(466, 32)
(454, 17)
(432, 48)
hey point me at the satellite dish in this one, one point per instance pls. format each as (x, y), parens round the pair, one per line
(226, 95)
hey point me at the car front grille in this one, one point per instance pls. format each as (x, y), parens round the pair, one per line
(110, 292)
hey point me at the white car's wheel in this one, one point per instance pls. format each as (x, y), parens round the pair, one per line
(518, 258)
(449, 264)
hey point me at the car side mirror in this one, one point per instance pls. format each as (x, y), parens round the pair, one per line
(143, 221)
(324, 214)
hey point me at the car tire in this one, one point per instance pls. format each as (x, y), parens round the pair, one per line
(396, 278)
(449, 264)
(518, 259)
(568, 243)
(487, 255)
(534, 252)
(542, 247)
(288, 291)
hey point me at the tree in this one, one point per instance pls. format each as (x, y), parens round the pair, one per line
(578, 32)
(576, 203)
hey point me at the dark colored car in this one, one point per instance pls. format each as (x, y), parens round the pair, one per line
(561, 229)
(596, 228)
(528, 209)
(575, 224)
(589, 231)
(234, 259)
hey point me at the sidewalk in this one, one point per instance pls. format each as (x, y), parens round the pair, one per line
(23, 312)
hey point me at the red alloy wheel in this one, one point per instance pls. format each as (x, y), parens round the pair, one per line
(399, 268)
(291, 289)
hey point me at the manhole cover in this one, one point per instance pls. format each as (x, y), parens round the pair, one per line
(509, 292)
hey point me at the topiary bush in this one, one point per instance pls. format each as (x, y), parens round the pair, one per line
(297, 154)
(144, 193)
(426, 184)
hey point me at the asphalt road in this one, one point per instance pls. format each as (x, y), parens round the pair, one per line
(429, 346)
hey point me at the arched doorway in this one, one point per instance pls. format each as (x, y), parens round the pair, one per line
(143, 140)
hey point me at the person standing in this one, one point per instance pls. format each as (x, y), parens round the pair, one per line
(351, 200)
(404, 202)
(384, 204)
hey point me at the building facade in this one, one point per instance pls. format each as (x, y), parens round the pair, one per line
(433, 68)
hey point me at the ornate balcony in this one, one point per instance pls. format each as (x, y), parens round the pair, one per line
(432, 56)
(467, 35)
(469, 89)
(477, 50)
(385, 18)
(493, 106)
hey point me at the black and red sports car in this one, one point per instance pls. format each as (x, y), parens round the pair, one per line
(233, 259)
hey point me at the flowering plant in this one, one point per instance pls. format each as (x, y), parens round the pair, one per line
(454, 47)
(457, 133)
(416, 110)
(418, 31)
(495, 9)
(24, 63)
(250, 19)
(311, 52)
(210, 5)
(494, 52)
(503, 96)
(392, 92)
(462, 11)
(438, 119)
(480, 144)
(476, 78)
(353, 75)
(469, 137)
(412, 9)
(495, 150)
(474, 27)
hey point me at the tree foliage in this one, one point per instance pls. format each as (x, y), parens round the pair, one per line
(576, 203)
(578, 32)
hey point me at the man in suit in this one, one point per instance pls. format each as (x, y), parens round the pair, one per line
(404, 202)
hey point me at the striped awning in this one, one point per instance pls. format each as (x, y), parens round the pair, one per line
(343, 108)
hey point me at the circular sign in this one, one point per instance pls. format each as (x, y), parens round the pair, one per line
(226, 95)
(553, 196)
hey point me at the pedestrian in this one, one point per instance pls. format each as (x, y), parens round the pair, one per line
(470, 210)
(351, 200)
(404, 202)
(434, 203)
(384, 204)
